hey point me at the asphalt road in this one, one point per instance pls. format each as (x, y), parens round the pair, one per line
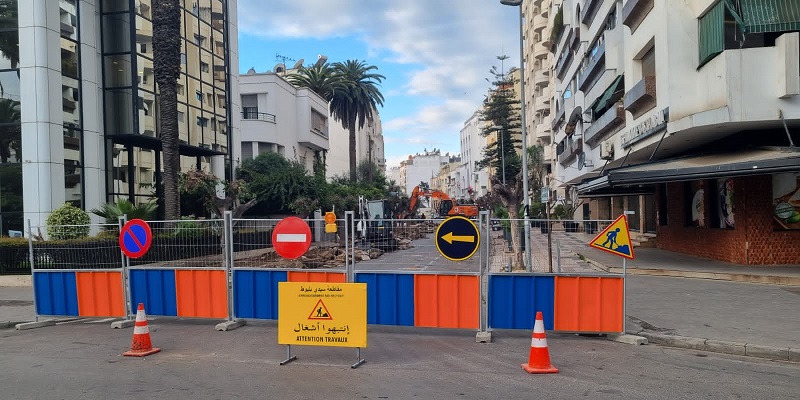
(82, 361)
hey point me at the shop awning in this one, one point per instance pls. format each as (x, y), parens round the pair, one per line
(601, 101)
(757, 161)
(758, 16)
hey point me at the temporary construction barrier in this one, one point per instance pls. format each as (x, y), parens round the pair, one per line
(227, 269)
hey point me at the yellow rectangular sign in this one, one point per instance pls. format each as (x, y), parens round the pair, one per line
(322, 314)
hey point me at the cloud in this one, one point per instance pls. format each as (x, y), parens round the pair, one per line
(455, 43)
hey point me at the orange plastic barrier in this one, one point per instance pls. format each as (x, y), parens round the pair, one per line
(100, 294)
(201, 293)
(446, 301)
(317, 276)
(588, 304)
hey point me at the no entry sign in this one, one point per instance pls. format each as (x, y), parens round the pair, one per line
(135, 238)
(291, 237)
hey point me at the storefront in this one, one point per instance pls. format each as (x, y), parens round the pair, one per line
(741, 207)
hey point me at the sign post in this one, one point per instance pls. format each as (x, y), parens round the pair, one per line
(616, 239)
(322, 314)
(457, 238)
(291, 237)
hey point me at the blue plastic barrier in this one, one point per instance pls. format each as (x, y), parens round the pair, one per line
(515, 299)
(156, 289)
(255, 293)
(56, 293)
(390, 298)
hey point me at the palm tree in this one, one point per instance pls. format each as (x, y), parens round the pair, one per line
(355, 104)
(320, 78)
(166, 70)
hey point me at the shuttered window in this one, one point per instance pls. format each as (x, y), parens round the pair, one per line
(711, 33)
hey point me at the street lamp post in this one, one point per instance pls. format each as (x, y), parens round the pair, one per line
(525, 194)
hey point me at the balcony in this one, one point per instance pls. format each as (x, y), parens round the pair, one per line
(541, 77)
(641, 97)
(539, 23)
(316, 139)
(564, 61)
(251, 113)
(590, 8)
(595, 64)
(634, 12)
(540, 51)
(612, 121)
(544, 130)
(541, 105)
(571, 148)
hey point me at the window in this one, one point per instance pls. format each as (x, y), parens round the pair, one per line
(198, 95)
(179, 89)
(202, 121)
(203, 67)
(649, 63)
(199, 40)
(183, 58)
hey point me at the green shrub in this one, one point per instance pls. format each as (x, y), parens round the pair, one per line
(68, 222)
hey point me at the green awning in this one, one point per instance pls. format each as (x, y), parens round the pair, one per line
(759, 16)
(601, 101)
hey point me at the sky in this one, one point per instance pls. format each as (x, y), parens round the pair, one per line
(435, 55)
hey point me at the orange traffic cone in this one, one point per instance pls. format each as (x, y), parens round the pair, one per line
(141, 345)
(539, 358)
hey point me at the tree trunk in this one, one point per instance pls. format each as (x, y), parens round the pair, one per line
(166, 70)
(517, 235)
(352, 130)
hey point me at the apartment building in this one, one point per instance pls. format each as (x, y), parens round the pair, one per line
(423, 168)
(471, 178)
(687, 115)
(538, 74)
(79, 106)
(280, 118)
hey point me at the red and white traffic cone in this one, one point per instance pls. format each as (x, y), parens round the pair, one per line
(539, 358)
(141, 345)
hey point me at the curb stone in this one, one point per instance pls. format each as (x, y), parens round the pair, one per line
(773, 353)
(724, 347)
(733, 277)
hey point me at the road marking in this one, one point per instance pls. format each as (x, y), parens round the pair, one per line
(291, 237)
(450, 238)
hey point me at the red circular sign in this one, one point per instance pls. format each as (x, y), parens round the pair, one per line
(135, 238)
(291, 237)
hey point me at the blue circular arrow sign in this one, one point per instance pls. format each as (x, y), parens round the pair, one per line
(457, 238)
(135, 238)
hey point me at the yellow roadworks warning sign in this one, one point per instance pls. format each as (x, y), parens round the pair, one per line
(616, 239)
(322, 314)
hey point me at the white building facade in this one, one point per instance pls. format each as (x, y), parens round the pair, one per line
(472, 151)
(280, 118)
(641, 82)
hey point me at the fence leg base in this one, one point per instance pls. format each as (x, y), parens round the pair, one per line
(230, 325)
(33, 325)
(125, 323)
(628, 339)
(483, 337)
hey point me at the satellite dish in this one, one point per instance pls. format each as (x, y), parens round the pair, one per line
(298, 64)
(581, 160)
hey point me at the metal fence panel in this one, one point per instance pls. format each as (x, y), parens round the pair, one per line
(98, 250)
(185, 244)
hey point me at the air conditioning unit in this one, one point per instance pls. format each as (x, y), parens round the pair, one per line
(607, 150)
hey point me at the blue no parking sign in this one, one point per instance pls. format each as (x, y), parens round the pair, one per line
(135, 238)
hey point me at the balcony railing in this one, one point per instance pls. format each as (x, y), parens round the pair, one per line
(571, 150)
(593, 64)
(564, 62)
(641, 97)
(634, 12)
(255, 115)
(590, 8)
(611, 121)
